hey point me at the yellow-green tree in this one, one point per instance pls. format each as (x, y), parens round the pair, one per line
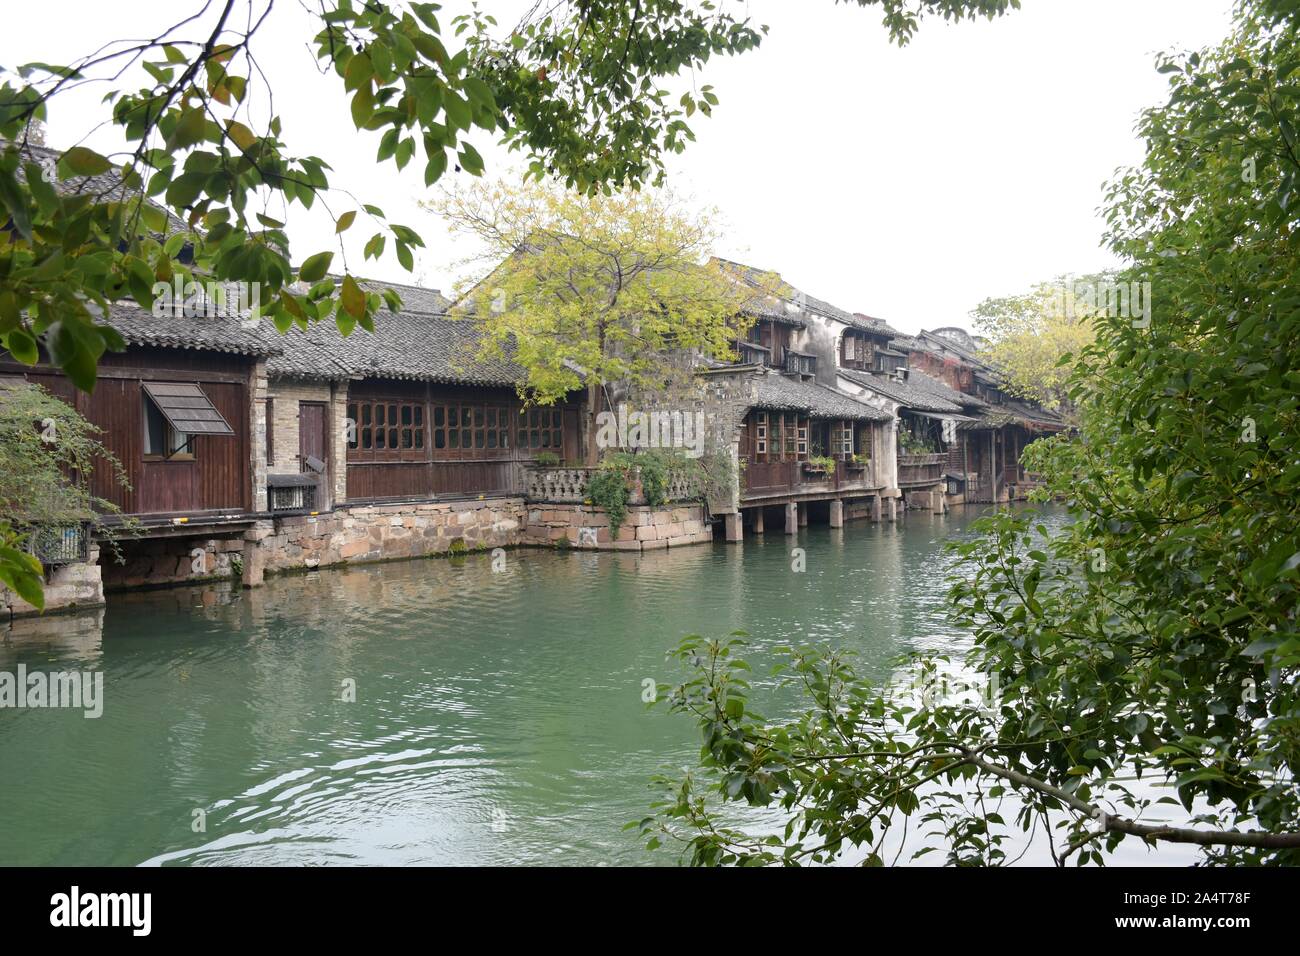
(615, 291)
(1029, 333)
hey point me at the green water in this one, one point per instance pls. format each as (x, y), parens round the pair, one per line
(498, 715)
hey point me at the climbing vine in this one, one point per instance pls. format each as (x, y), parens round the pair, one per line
(608, 489)
(659, 470)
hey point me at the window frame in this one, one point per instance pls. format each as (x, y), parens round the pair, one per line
(184, 452)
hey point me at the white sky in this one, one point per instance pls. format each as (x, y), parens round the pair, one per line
(907, 183)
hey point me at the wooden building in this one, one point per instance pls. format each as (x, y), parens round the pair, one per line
(410, 411)
(176, 410)
(983, 463)
(791, 424)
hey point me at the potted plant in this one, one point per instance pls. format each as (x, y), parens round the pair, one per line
(819, 465)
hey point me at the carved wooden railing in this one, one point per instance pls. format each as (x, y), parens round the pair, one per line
(769, 478)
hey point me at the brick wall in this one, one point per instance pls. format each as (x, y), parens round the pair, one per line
(286, 395)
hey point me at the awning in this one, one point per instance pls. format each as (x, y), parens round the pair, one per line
(187, 409)
(942, 416)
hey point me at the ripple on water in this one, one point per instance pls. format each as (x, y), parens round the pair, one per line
(497, 716)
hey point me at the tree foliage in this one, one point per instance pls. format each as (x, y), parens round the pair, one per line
(47, 453)
(616, 290)
(1028, 335)
(580, 87)
(1154, 637)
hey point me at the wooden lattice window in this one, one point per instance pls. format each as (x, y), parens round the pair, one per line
(760, 436)
(386, 426)
(796, 438)
(541, 428)
(459, 427)
(842, 441)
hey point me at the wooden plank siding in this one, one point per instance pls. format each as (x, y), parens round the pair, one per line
(214, 479)
(777, 471)
(426, 464)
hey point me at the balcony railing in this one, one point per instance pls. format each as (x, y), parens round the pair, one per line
(766, 479)
(569, 485)
(923, 469)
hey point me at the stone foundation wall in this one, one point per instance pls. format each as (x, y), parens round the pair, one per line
(385, 532)
(858, 508)
(361, 533)
(69, 587)
(153, 562)
(587, 527)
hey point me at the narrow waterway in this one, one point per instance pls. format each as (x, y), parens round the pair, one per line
(497, 715)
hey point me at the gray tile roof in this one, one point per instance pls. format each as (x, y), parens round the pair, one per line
(1013, 411)
(423, 346)
(779, 392)
(907, 395)
(414, 298)
(107, 185)
(787, 303)
(869, 323)
(420, 346)
(228, 334)
(929, 341)
(933, 386)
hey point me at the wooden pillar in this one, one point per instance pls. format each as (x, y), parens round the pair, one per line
(837, 513)
(1002, 442)
(993, 464)
(792, 518)
(734, 528)
(758, 521)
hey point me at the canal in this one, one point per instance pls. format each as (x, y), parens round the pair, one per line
(497, 715)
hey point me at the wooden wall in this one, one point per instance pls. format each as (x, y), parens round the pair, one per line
(424, 469)
(216, 479)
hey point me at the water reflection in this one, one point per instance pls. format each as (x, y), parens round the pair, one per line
(497, 716)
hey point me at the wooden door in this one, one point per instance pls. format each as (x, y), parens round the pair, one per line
(311, 432)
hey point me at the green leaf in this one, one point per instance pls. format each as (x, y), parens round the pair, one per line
(80, 161)
(23, 573)
(470, 159)
(22, 346)
(436, 166)
(354, 300)
(363, 107)
(315, 267)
